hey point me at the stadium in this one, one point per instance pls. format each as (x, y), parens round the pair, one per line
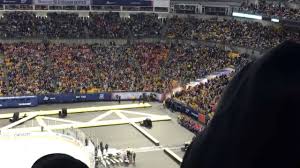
(134, 83)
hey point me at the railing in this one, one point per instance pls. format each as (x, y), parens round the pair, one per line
(89, 8)
(74, 133)
(80, 138)
(30, 101)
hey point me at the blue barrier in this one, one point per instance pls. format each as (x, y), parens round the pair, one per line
(23, 101)
(30, 101)
(182, 108)
(73, 98)
(148, 3)
(16, 2)
(18, 101)
(135, 95)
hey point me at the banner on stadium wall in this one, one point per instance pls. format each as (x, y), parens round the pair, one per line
(18, 101)
(145, 3)
(31, 101)
(134, 95)
(161, 3)
(191, 112)
(72, 98)
(15, 2)
(225, 71)
(63, 2)
(182, 108)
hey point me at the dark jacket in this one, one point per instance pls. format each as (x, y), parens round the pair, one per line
(257, 122)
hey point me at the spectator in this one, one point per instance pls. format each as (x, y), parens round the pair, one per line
(255, 96)
(96, 68)
(273, 10)
(111, 25)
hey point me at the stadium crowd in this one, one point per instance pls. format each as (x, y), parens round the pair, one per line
(237, 33)
(189, 62)
(150, 58)
(63, 68)
(111, 25)
(189, 123)
(2, 86)
(203, 96)
(43, 68)
(116, 68)
(274, 10)
(143, 25)
(107, 25)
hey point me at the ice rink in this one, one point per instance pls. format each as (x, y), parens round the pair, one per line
(123, 136)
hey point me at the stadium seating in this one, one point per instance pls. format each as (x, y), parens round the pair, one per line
(274, 9)
(110, 25)
(54, 68)
(35, 69)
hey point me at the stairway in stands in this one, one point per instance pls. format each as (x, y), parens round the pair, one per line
(167, 61)
(3, 72)
(164, 29)
(138, 67)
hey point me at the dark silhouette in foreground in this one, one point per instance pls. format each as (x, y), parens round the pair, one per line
(58, 161)
(257, 120)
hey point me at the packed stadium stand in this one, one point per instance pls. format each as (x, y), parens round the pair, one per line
(48, 67)
(183, 52)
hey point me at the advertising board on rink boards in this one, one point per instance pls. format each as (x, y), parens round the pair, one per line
(144, 3)
(63, 2)
(15, 2)
(73, 98)
(134, 95)
(161, 3)
(31, 101)
(18, 101)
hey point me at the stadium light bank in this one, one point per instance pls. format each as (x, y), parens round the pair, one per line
(274, 20)
(244, 15)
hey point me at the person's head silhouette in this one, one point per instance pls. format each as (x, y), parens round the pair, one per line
(58, 161)
(257, 119)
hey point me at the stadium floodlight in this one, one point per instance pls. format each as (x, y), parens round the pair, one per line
(274, 20)
(244, 15)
